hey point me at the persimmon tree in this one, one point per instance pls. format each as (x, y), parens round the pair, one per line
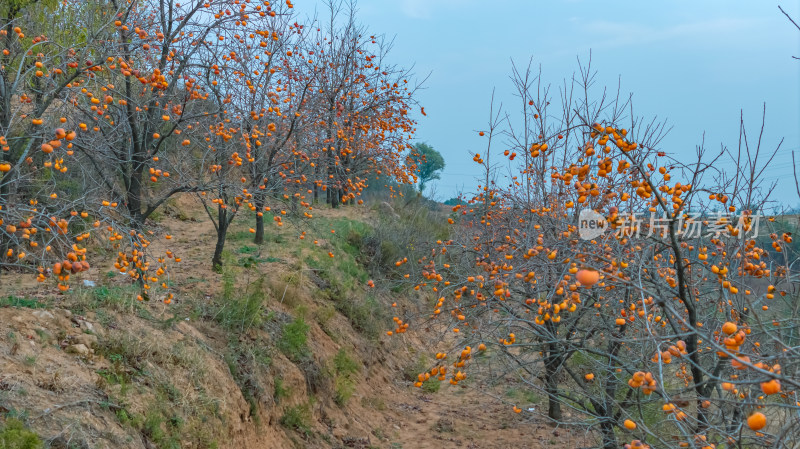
(142, 110)
(650, 317)
(277, 123)
(363, 102)
(245, 80)
(42, 224)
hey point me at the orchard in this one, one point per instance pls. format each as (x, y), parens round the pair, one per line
(676, 323)
(234, 102)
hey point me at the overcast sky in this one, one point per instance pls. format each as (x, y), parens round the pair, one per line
(694, 63)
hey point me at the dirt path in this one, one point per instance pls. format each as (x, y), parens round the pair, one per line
(468, 419)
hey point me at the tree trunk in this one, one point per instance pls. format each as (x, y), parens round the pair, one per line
(134, 194)
(334, 197)
(551, 366)
(609, 438)
(259, 238)
(222, 233)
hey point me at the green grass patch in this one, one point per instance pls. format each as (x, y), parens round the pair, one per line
(294, 339)
(15, 301)
(349, 234)
(344, 364)
(366, 315)
(527, 395)
(344, 382)
(162, 429)
(431, 385)
(240, 311)
(246, 249)
(105, 298)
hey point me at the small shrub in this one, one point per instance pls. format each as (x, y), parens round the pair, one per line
(14, 435)
(123, 416)
(444, 425)
(344, 383)
(298, 418)
(281, 392)
(344, 387)
(161, 429)
(156, 216)
(152, 426)
(355, 238)
(295, 336)
(353, 233)
(344, 364)
(389, 253)
(285, 290)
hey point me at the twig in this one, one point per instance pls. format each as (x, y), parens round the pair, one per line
(789, 17)
(791, 20)
(794, 171)
(75, 404)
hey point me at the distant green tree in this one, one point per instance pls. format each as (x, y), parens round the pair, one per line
(430, 163)
(455, 201)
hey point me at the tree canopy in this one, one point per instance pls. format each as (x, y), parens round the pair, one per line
(430, 163)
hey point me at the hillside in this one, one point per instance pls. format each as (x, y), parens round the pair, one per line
(286, 347)
(220, 225)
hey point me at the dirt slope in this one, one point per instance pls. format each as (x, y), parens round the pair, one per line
(97, 369)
